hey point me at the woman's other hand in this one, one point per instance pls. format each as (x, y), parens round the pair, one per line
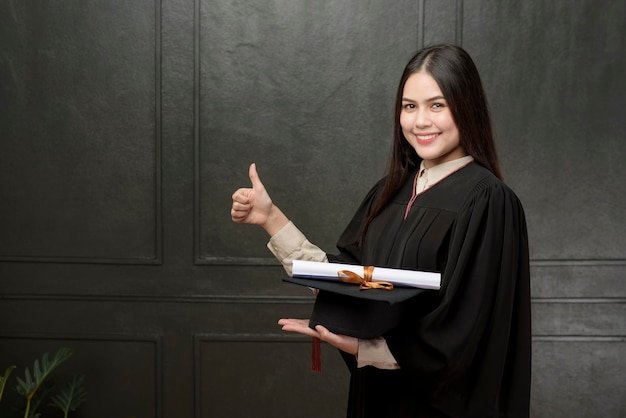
(343, 342)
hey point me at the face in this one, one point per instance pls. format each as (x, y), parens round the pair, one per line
(427, 122)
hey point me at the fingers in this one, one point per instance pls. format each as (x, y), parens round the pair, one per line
(242, 195)
(238, 216)
(241, 205)
(301, 326)
(294, 322)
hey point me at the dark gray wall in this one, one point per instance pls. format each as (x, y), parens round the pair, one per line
(126, 126)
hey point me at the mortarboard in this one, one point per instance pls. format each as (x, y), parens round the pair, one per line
(354, 309)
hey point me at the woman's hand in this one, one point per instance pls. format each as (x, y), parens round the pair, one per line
(348, 344)
(254, 206)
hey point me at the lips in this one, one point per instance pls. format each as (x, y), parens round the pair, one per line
(426, 138)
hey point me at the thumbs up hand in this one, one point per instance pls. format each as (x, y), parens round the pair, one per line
(251, 205)
(254, 206)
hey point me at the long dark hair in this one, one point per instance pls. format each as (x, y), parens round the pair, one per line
(457, 76)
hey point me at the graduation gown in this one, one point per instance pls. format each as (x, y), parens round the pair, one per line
(463, 351)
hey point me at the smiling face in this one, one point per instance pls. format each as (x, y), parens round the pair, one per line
(427, 122)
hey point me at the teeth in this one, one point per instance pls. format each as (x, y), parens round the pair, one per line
(426, 137)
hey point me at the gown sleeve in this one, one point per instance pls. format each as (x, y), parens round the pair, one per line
(479, 331)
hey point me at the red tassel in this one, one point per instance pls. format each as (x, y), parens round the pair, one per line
(316, 355)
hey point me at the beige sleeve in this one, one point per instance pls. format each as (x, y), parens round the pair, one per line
(375, 352)
(290, 244)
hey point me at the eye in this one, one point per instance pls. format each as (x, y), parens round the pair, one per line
(408, 106)
(438, 106)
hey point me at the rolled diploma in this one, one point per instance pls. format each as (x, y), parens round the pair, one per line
(328, 271)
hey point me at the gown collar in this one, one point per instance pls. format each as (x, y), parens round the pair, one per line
(428, 177)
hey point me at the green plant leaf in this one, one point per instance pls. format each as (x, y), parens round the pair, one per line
(41, 395)
(72, 395)
(4, 378)
(24, 386)
(29, 386)
(37, 370)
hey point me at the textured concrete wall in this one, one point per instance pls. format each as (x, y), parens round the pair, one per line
(126, 126)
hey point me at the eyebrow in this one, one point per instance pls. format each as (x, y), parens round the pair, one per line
(432, 99)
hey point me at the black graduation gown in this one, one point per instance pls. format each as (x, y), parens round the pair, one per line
(463, 351)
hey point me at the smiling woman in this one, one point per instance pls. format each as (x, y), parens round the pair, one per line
(461, 351)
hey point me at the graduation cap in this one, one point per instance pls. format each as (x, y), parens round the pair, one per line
(362, 302)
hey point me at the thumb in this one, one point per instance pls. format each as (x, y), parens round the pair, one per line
(254, 177)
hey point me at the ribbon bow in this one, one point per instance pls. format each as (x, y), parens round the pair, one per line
(364, 282)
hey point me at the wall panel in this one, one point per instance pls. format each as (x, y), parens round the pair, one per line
(578, 377)
(544, 71)
(301, 89)
(265, 363)
(80, 149)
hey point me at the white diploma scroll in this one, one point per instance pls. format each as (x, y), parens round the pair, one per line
(399, 277)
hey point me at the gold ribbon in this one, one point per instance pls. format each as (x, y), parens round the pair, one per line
(364, 282)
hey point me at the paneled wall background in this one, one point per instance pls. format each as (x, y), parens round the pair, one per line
(126, 126)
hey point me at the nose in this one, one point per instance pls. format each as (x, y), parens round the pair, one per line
(422, 119)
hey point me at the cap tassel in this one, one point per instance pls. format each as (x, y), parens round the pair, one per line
(316, 355)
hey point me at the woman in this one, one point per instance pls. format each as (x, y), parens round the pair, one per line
(442, 206)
